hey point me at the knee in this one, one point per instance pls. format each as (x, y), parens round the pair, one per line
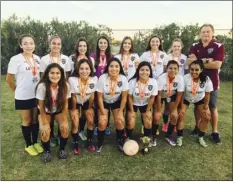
(205, 116)
(45, 132)
(173, 119)
(102, 122)
(181, 116)
(119, 121)
(89, 115)
(64, 128)
(156, 117)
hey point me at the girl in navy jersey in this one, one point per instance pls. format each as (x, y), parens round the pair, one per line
(197, 91)
(81, 52)
(52, 93)
(112, 89)
(142, 91)
(102, 56)
(171, 88)
(24, 69)
(83, 85)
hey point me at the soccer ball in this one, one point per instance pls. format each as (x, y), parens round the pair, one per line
(131, 147)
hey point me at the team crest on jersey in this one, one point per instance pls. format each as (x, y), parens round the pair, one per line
(162, 56)
(34, 79)
(210, 50)
(182, 61)
(91, 85)
(63, 61)
(119, 83)
(175, 84)
(150, 87)
(37, 61)
(202, 85)
(132, 58)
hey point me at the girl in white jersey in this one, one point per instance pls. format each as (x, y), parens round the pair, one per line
(112, 89)
(24, 69)
(197, 91)
(142, 91)
(81, 52)
(171, 88)
(128, 58)
(83, 85)
(55, 56)
(52, 93)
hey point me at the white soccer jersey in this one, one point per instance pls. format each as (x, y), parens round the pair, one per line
(178, 84)
(103, 86)
(162, 61)
(131, 66)
(40, 95)
(200, 94)
(71, 62)
(182, 63)
(150, 90)
(64, 63)
(25, 80)
(75, 88)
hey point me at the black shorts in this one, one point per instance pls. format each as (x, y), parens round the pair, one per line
(25, 104)
(142, 109)
(196, 104)
(173, 99)
(112, 106)
(84, 106)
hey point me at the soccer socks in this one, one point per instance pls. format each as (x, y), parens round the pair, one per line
(34, 131)
(89, 134)
(154, 129)
(170, 129)
(26, 130)
(63, 142)
(165, 118)
(46, 145)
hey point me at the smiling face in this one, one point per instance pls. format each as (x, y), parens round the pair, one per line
(155, 43)
(103, 44)
(114, 69)
(127, 45)
(172, 70)
(176, 47)
(28, 45)
(206, 34)
(55, 45)
(82, 47)
(54, 75)
(84, 71)
(195, 71)
(144, 73)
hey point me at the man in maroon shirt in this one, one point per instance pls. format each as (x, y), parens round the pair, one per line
(212, 54)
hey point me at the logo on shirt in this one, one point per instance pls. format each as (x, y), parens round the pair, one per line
(150, 87)
(182, 61)
(132, 58)
(175, 84)
(119, 83)
(91, 85)
(162, 56)
(34, 79)
(37, 61)
(210, 50)
(202, 85)
(63, 61)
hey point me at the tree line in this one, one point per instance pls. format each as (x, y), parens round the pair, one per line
(14, 26)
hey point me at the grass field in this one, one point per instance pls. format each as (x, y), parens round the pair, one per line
(189, 162)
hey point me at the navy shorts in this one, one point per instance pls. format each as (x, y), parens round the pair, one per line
(84, 106)
(173, 99)
(196, 104)
(112, 106)
(25, 104)
(142, 109)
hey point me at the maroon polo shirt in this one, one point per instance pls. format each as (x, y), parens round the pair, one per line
(214, 50)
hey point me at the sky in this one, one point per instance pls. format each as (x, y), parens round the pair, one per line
(126, 14)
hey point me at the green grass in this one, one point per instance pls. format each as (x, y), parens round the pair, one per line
(189, 162)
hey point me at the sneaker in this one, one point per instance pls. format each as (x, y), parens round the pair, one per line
(202, 142)
(96, 131)
(31, 150)
(142, 131)
(216, 138)
(174, 130)
(153, 142)
(179, 141)
(165, 127)
(38, 148)
(62, 154)
(170, 141)
(107, 131)
(194, 133)
(47, 157)
(120, 144)
(77, 149)
(99, 148)
(157, 133)
(91, 147)
(82, 135)
(53, 141)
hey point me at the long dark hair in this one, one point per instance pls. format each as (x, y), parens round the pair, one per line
(107, 52)
(75, 73)
(172, 62)
(118, 61)
(160, 40)
(62, 88)
(75, 56)
(21, 37)
(141, 64)
(202, 76)
(122, 43)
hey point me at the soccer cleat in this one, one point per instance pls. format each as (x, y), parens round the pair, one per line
(90, 146)
(179, 141)
(53, 141)
(157, 133)
(47, 157)
(153, 142)
(77, 149)
(107, 131)
(31, 150)
(170, 141)
(38, 148)
(62, 154)
(202, 142)
(216, 138)
(82, 135)
(99, 148)
(165, 127)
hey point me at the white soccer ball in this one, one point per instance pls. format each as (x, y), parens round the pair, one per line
(131, 147)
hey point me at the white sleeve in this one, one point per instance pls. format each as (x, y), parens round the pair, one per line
(42, 65)
(95, 83)
(180, 84)
(100, 84)
(40, 92)
(13, 66)
(72, 90)
(155, 87)
(142, 57)
(131, 87)
(68, 65)
(125, 86)
(160, 83)
(209, 85)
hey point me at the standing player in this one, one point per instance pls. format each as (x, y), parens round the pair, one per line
(24, 68)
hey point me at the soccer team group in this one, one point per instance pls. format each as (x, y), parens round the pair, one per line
(87, 87)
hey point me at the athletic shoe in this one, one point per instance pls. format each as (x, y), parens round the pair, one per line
(153, 142)
(202, 142)
(174, 130)
(107, 131)
(157, 133)
(96, 131)
(179, 141)
(31, 150)
(216, 138)
(120, 144)
(38, 148)
(99, 148)
(90, 146)
(53, 141)
(62, 154)
(77, 149)
(47, 157)
(82, 135)
(170, 141)
(165, 127)
(194, 133)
